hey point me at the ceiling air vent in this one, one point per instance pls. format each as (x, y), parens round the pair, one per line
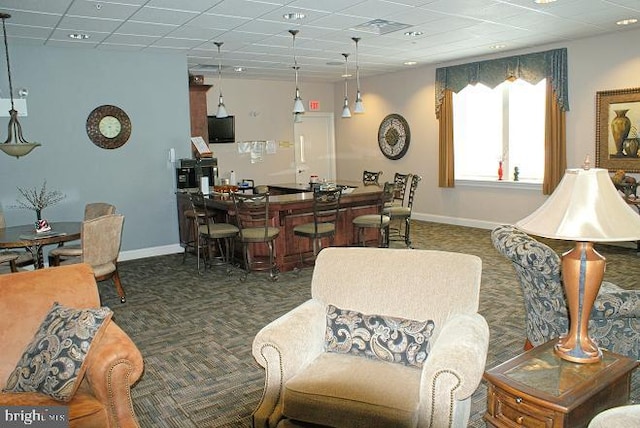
(381, 26)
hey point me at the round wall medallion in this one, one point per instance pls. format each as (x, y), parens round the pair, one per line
(108, 127)
(394, 136)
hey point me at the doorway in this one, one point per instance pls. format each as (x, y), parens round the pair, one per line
(315, 151)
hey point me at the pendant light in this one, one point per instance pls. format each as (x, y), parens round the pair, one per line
(359, 106)
(20, 147)
(222, 110)
(298, 106)
(345, 110)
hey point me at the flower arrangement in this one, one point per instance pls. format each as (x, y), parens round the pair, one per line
(37, 200)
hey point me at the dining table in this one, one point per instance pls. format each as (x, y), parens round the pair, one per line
(25, 236)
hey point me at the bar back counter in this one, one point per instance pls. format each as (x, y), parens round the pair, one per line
(291, 205)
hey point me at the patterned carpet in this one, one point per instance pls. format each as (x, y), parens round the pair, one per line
(195, 331)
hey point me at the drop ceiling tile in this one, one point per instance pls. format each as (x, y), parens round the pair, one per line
(145, 28)
(20, 31)
(48, 6)
(63, 36)
(190, 5)
(220, 22)
(243, 8)
(189, 32)
(163, 16)
(89, 24)
(329, 6)
(102, 10)
(128, 39)
(375, 9)
(171, 42)
(32, 18)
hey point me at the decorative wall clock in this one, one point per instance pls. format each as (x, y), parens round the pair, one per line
(394, 136)
(108, 127)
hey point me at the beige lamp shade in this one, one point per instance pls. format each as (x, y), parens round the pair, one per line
(584, 207)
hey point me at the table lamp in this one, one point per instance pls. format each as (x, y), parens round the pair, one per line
(585, 208)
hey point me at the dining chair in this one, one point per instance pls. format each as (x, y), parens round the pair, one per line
(100, 243)
(212, 232)
(91, 210)
(371, 178)
(326, 207)
(12, 258)
(399, 212)
(379, 220)
(255, 223)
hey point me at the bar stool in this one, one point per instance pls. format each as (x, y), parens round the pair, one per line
(400, 212)
(378, 221)
(371, 178)
(212, 233)
(195, 217)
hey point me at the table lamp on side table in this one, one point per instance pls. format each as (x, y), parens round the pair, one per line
(586, 208)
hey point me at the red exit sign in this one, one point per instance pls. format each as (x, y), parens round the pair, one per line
(314, 105)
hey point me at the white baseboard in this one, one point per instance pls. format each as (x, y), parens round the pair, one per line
(150, 252)
(458, 221)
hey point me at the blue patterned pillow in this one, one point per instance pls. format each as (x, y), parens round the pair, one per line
(53, 363)
(392, 339)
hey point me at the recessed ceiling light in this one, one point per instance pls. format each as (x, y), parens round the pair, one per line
(627, 21)
(345, 76)
(410, 63)
(413, 33)
(78, 36)
(543, 1)
(498, 46)
(294, 15)
(238, 69)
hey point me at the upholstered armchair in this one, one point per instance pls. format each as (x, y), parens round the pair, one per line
(615, 317)
(389, 338)
(110, 368)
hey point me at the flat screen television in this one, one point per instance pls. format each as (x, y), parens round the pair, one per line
(221, 130)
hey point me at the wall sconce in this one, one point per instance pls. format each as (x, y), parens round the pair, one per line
(19, 146)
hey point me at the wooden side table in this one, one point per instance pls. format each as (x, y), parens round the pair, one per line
(539, 389)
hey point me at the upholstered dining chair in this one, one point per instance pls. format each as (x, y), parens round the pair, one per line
(213, 233)
(379, 220)
(377, 346)
(255, 223)
(371, 178)
(400, 208)
(91, 210)
(615, 316)
(100, 243)
(326, 207)
(11, 260)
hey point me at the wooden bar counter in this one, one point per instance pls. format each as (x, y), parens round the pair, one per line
(291, 205)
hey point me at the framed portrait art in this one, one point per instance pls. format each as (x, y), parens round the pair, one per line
(617, 129)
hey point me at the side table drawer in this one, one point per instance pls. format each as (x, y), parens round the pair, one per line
(512, 411)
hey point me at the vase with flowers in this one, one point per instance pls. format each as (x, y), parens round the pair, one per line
(38, 200)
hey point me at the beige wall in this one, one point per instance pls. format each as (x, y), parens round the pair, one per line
(595, 64)
(262, 109)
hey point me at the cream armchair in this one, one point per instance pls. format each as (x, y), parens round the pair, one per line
(306, 384)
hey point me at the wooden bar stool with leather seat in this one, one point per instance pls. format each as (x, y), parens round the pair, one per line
(378, 221)
(398, 211)
(255, 223)
(326, 207)
(221, 233)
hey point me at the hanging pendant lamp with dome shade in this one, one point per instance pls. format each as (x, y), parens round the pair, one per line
(222, 110)
(358, 106)
(346, 113)
(19, 147)
(298, 106)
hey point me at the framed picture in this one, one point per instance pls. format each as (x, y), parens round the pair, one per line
(617, 129)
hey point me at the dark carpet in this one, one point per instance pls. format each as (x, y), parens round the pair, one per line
(195, 331)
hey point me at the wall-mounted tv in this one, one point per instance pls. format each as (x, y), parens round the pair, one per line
(221, 130)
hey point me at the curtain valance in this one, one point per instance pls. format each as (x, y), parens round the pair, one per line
(530, 67)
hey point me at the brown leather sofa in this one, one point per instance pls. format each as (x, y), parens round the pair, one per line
(114, 363)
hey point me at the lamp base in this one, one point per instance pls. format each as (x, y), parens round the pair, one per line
(582, 273)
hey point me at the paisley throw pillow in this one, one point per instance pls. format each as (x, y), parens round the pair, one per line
(392, 339)
(53, 363)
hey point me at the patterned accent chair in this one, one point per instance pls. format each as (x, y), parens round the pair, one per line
(615, 318)
(316, 374)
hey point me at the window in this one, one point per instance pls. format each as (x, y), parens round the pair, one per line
(505, 123)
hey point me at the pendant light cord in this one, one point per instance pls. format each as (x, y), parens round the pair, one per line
(6, 50)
